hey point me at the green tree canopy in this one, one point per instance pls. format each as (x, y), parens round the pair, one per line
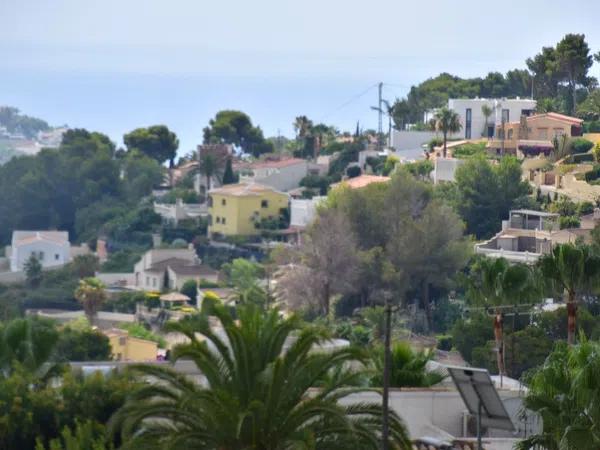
(156, 142)
(235, 127)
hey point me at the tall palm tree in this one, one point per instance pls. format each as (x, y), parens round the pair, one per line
(570, 269)
(447, 121)
(487, 111)
(210, 165)
(495, 283)
(408, 368)
(564, 392)
(259, 371)
(302, 126)
(91, 294)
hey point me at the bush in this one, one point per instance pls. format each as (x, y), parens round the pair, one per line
(584, 208)
(581, 145)
(593, 174)
(579, 158)
(353, 171)
(445, 343)
(569, 222)
(469, 150)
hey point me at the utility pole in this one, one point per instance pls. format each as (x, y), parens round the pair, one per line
(386, 374)
(380, 111)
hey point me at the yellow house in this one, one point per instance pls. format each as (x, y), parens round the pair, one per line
(129, 348)
(237, 209)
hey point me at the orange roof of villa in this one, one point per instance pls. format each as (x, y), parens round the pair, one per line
(557, 116)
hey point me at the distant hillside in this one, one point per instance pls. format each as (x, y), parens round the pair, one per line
(12, 122)
(7, 152)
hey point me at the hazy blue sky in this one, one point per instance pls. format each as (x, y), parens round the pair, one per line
(112, 65)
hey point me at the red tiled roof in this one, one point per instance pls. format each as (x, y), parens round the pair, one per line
(557, 116)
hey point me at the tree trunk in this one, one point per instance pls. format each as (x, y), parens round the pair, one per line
(427, 306)
(574, 90)
(499, 338)
(445, 142)
(571, 318)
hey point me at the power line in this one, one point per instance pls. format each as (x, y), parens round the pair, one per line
(348, 102)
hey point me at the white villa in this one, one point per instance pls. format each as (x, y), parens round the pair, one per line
(51, 248)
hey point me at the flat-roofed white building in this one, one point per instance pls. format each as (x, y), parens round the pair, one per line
(474, 124)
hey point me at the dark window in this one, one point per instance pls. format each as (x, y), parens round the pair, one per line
(210, 201)
(56, 256)
(218, 219)
(223, 220)
(526, 112)
(468, 122)
(223, 202)
(505, 115)
(264, 204)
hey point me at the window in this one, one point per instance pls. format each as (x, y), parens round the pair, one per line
(468, 121)
(223, 220)
(218, 219)
(505, 115)
(41, 256)
(210, 201)
(147, 281)
(223, 202)
(526, 112)
(56, 257)
(510, 133)
(264, 204)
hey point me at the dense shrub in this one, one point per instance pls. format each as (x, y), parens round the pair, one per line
(569, 222)
(593, 174)
(581, 145)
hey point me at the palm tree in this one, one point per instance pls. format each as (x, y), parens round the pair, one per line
(259, 371)
(28, 342)
(302, 126)
(447, 121)
(495, 283)
(210, 165)
(91, 294)
(564, 392)
(570, 269)
(408, 368)
(487, 111)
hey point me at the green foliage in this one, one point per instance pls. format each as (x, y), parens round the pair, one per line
(190, 288)
(87, 435)
(138, 330)
(569, 222)
(593, 174)
(353, 171)
(235, 127)
(486, 193)
(253, 388)
(33, 271)
(82, 345)
(408, 367)
(419, 169)
(121, 261)
(348, 154)
(563, 392)
(17, 123)
(316, 182)
(156, 142)
(469, 150)
(228, 176)
(581, 145)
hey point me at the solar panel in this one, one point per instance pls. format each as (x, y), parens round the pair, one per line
(476, 388)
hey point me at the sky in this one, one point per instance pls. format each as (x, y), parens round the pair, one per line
(114, 65)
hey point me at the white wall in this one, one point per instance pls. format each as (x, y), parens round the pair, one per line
(411, 140)
(282, 178)
(303, 211)
(460, 106)
(49, 254)
(445, 168)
